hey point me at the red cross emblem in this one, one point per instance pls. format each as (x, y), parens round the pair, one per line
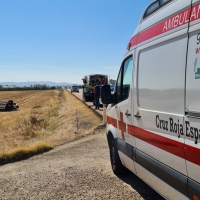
(122, 125)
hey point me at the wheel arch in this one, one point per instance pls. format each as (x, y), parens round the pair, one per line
(111, 133)
(116, 161)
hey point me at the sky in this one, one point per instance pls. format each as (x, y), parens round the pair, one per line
(64, 40)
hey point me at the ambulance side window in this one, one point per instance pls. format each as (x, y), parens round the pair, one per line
(152, 8)
(118, 87)
(155, 6)
(164, 1)
(124, 80)
(127, 73)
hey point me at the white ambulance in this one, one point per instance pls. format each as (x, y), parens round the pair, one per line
(153, 117)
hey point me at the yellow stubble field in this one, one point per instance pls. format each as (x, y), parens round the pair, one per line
(48, 116)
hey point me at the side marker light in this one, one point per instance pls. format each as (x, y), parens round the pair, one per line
(128, 46)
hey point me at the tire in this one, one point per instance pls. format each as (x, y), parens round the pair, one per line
(116, 163)
(86, 98)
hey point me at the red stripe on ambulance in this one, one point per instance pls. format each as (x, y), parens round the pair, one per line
(171, 146)
(169, 24)
(166, 144)
(112, 121)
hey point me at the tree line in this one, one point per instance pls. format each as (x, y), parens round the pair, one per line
(31, 87)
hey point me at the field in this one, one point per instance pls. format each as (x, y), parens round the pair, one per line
(47, 118)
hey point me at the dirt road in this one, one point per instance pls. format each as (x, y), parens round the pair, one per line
(76, 170)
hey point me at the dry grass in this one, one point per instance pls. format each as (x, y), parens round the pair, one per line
(24, 152)
(47, 116)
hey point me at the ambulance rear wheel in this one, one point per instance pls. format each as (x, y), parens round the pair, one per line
(116, 163)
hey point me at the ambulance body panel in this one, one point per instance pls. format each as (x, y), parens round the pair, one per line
(192, 107)
(154, 118)
(160, 96)
(170, 18)
(157, 184)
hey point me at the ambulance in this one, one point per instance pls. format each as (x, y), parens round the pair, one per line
(153, 116)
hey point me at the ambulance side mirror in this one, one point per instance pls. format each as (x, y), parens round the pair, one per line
(106, 97)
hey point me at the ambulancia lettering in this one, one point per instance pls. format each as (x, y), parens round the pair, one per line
(176, 21)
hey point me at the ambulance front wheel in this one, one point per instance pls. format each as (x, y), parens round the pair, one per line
(116, 163)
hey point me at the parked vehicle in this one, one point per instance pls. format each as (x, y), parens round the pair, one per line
(74, 88)
(8, 105)
(89, 81)
(153, 117)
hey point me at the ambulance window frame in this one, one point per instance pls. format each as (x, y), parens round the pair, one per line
(145, 13)
(118, 88)
(161, 3)
(167, 1)
(119, 97)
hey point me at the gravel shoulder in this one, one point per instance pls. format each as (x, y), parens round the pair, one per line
(76, 170)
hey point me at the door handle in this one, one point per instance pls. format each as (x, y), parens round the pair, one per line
(127, 114)
(137, 116)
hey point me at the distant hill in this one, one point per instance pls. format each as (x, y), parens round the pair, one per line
(27, 84)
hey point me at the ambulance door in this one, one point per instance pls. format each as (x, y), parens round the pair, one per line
(123, 114)
(192, 107)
